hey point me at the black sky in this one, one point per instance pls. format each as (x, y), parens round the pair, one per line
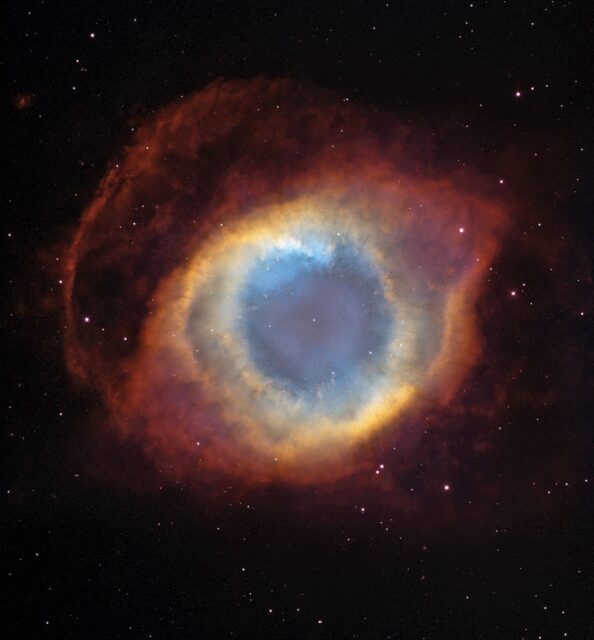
(92, 549)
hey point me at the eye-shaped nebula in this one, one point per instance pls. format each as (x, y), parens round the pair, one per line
(270, 276)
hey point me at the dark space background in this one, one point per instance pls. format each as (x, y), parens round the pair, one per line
(95, 550)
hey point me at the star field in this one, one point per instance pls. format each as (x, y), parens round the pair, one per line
(182, 275)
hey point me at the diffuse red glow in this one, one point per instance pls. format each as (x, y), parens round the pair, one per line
(237, 163)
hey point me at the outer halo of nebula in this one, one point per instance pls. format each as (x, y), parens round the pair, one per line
(154, 276)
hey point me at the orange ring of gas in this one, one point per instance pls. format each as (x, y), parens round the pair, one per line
(269, 277)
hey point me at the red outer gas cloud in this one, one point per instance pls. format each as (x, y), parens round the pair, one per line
(239, 155)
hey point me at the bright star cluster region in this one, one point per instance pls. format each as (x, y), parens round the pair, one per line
(292, 276)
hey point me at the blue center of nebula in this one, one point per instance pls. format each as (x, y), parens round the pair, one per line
(315, 319)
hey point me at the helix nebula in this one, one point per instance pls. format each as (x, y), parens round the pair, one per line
(271, 280)
(298, 330)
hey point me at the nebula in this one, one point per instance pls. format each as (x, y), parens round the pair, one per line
(270, 276)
